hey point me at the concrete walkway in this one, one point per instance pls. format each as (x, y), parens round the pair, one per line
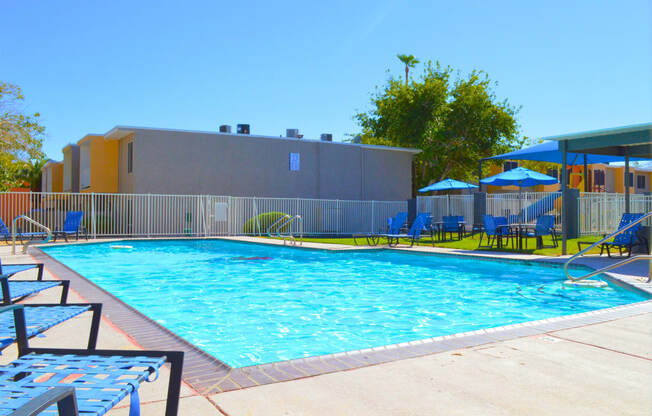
(601, 369)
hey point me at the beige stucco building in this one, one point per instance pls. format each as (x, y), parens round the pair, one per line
(182, 162)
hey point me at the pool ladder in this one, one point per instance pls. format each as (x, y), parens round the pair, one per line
(14, 228)
(286, 220)
(577, 280)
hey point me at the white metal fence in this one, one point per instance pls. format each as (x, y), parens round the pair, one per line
(600, 212)
(147, 215)
(526, 207)
(441, 205)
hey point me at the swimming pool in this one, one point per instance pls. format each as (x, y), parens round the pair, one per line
(249, 304)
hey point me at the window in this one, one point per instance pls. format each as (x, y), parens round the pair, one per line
(553, 172)
(130, 157)
(629, 179)
(640, 182)
(67, 174)
(598, 177)
(295, 161)
(44, 180)
(509, 166)
(85, 165)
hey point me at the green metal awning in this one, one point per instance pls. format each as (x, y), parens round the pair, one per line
(632, 141)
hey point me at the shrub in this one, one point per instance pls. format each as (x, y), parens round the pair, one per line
(265, 220)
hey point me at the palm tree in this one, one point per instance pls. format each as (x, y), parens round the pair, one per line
(31, 173)
(410, 61)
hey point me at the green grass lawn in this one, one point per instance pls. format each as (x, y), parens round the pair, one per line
(471, 243)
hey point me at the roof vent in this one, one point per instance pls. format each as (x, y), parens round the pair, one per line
(243, 128)
(326, 137)
(225, 128)
(294, 133)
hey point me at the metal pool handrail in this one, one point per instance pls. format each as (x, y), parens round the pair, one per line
(282, 222)
(31, 221)
(290, 235)
(612, 266)
(271, 227)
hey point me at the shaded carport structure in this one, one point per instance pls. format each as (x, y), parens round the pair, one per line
(627, 142)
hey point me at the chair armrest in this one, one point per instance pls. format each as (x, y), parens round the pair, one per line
(63, 397)
(94, 308)
(174, 358)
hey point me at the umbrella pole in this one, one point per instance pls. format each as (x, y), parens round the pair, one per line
(520, 203)
(449, 203)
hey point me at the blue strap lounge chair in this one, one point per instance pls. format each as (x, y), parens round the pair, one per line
(72, 225)
(397, 223)
(394, 226)
(15, 290)
(414, 234)
(41, 317)
(545, 225)
(101, 378)
(496, 229)
(627, 239)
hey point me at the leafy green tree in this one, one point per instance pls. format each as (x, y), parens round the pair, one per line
(21, 137)
(455, 122)
(409, 61)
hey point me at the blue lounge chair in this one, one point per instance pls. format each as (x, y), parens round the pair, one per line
(41, 317)
(100, 378)
(72, 225)
(394, 226)
(627, 239)
(15, 290)
(414, 234)
(397, 223)
(545, 226)
(496, 229)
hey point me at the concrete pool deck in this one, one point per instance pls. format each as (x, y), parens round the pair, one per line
(598, 368)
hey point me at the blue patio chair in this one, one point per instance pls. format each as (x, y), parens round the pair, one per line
(451, 224)
(72, 225)
(545, 225)
(496, 229)
(627, 239)
(394, 226)
(101, 378)
(414, 234)
(41, 317)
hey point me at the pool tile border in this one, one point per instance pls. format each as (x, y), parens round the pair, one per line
(209, 375)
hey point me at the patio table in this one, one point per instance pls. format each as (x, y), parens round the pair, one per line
(521, 230)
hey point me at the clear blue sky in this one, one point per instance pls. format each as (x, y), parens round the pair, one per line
(87, 66)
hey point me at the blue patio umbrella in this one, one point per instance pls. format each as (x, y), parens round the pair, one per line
(519, 177)
(448, 185)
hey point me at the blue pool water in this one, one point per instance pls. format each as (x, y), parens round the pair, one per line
(292, 303)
